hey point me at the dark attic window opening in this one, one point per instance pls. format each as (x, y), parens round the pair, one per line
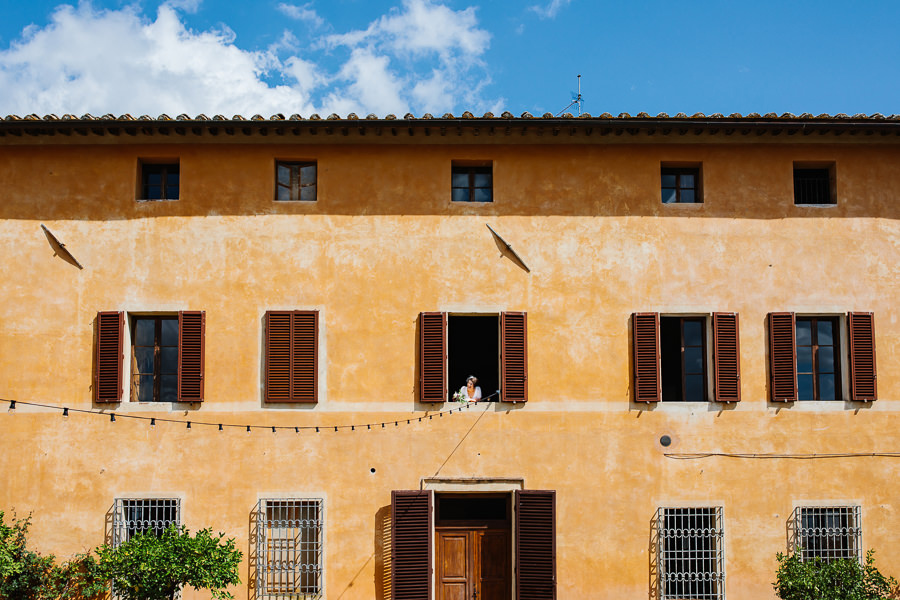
(473, 348)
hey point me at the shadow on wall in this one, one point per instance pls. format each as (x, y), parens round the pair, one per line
(653, 570)
(383, 553)
(253, 555)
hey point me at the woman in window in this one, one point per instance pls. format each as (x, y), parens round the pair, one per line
(470, 392)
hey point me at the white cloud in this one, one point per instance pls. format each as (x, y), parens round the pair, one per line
(550, 10)
(420, 57)
(301, 13)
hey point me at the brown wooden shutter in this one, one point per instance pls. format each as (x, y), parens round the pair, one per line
(535, 544)
(727, 357)
(411, 525)
(514, 357)
(645, 334)
(433, 357)
(782, 357)
(109, 357)
(291, 359)
(191, 346)
(863, 384)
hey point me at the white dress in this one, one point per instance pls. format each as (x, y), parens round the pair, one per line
(464, 392)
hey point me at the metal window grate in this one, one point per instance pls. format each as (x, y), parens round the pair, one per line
(691, 553)
(812, 186)
(139, 515)
(290, 548)
(828, 532)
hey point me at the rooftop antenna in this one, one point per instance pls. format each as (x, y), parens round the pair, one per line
(577, 100)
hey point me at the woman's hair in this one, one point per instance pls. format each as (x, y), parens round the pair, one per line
(473, 379)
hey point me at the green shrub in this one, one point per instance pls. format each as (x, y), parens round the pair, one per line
(26, 575)
(843, 579)
(151, 567)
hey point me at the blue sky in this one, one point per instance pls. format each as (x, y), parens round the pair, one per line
(369, 56)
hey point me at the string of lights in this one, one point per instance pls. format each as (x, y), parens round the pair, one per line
(701, 455)
(222, 426)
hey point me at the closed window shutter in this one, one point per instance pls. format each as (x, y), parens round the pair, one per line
(863, 386)
(514, 356)
(291, 369)
(433, 356)
(411, 525)
(783, 357)
(727, 357)
(645, 333)
(109, 357)
(191, 342)
(535, 544)
(304, 366)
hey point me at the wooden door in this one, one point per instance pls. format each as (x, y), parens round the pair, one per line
(474, 564)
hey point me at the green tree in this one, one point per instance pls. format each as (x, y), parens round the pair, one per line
(844, 579)
(155, 567)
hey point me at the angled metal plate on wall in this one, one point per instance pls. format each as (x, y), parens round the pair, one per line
(507, 250)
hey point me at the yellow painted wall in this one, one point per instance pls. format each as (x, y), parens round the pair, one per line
(383, 243)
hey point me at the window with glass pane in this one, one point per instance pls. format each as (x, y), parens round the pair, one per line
(154, 365)
(289, 548)
(472, 184)
(680, 185)
(818, 358)
(682, 344)
(295, 181)
(159, 181)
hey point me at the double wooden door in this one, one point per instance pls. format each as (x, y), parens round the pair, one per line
(473, 563)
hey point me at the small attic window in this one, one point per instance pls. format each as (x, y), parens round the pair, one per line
(472, 182)
(159, 180)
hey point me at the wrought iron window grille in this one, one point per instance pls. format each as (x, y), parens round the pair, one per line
(289, 548)
(132, 516)
(690, 553)
(827, 532)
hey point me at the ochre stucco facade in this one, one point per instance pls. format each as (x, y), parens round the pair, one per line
(383, 243)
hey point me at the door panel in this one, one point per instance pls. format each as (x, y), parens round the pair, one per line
(474, 564)
(493, 564)
(454, 565)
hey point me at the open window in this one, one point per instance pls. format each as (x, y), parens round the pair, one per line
(492, 347)
(672, 357)
(805, 357)
(166, 356)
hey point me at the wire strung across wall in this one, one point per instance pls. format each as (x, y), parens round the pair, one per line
(221, 426)
(700, 455)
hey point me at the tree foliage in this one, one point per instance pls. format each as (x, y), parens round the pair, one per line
(151, 567)
(146, 567)
(27, 575)
(843, 579)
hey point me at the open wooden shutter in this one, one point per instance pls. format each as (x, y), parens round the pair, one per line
(645, 334)
(726, 357)
(291, 369)
(863, 386)
(514, 357)
(108, 358)
(411, 525)
(433, 357)
(535, 544)
(782, 357)
(191, 342)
